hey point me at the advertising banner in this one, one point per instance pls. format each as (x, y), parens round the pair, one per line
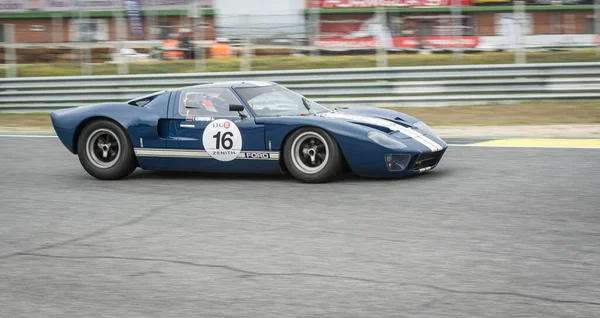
(477, 42)
(436, 42)
(492, 2)
(91, 5)
(340, 4)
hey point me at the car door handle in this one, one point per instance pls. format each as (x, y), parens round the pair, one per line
(187, 125)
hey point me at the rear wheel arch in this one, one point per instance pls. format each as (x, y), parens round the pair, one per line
(89, 121)
(105, 150)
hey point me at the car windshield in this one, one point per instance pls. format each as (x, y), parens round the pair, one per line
(276, 100)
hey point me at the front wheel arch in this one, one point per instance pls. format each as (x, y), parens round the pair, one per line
(300, 173)
(346, 166)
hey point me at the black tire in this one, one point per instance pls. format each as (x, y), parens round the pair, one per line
(99, 155)
(311, 155)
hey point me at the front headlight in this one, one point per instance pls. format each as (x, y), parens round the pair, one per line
(426, 129)
(385, 140)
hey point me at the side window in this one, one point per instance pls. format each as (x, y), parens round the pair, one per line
(210, 102)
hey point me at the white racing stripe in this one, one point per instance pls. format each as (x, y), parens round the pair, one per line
(419, 137)
(434, 146)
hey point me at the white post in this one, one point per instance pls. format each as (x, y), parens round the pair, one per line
(382, 60)
(315, 28)
(457, 29)
(199, 34)
(245, 62)
(597, 25)
(57, 28)
(519, 17)
(117, 49)
(10, 55)
(152, 20)
(85, 53)
(122, 66)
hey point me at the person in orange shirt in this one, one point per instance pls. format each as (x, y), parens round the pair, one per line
(170, 46)
(221, 49)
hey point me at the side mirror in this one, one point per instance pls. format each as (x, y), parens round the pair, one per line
(236, 108)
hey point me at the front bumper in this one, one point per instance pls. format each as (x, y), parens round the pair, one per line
(421, 160)
(416, 163)
(369, 159)
(427, 161)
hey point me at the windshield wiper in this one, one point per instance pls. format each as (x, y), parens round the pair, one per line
(306, 104)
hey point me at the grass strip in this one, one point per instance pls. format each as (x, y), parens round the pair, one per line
(526, 113)
(305, 62)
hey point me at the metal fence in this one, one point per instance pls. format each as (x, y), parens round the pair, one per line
(373, 87)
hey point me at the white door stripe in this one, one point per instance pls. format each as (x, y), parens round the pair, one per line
(191, 153)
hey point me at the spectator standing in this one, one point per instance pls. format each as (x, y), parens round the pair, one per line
(221, 48)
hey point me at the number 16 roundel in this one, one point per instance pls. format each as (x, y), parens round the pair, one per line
(222, 140)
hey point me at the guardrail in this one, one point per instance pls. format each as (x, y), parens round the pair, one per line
(394, 86)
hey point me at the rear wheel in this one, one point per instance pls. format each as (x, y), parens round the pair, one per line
(312, 155)
(105, 151)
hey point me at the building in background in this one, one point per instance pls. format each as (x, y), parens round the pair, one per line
(56, 21)
(399, 24)
(482, 24)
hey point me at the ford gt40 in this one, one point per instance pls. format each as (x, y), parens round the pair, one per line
(250, 126)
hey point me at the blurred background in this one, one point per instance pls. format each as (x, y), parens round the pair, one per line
(404, 48)
(92, 33)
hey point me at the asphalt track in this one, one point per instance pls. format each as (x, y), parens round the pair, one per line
(492, 232)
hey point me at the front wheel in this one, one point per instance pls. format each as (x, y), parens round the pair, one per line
(312, 155)
(105, 151)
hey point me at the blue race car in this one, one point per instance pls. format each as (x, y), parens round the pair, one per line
(245, 127)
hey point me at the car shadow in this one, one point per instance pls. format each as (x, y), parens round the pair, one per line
(430, 175)
(194, 175)
(219, 176)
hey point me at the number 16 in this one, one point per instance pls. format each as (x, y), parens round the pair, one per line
(225, 140)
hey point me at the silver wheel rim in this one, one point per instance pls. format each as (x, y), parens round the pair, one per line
(310, 152)
(103, 148)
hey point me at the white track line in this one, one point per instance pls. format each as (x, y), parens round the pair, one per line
(29, 136)
(450, 145)
(519, 146)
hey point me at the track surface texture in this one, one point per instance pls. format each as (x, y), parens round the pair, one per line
(492, 232)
